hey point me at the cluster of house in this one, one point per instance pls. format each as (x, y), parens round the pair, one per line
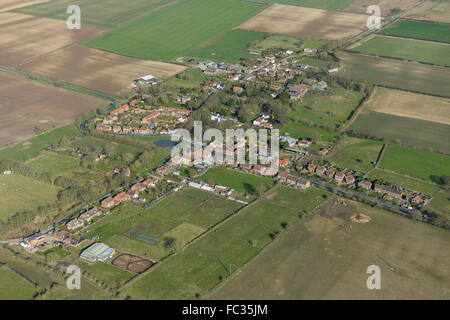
(296, 145)
(263, 121)
(86, 217)
(44, 241)
(296, 92)
(136, 118)
(125, 171)
(211, 67)
(132, 193)
(293, 181)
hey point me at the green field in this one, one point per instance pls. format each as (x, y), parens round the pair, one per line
(232, 47)
(354, 153)
(409, 131)
(315, 43)
(176, 30)
(329, 110)
(392, 73)
(318, 135)
(14, 287)
(109, 274)
(414, 184)
(441, 202)
(419, 30)
(321, 4)
(279, 41)
(100, 13)
(325, 256)
(18, 193)
(417, 50)
(207, 262)
(189, 79)
(415, 162)
(241, 182)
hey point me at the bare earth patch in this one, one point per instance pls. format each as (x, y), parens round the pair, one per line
(25, 104)
(306, 22)
(132, 263)
(24, 37)
(96, 69)
(411, 105)
(7, 5)
(360, 218)
(432, 11)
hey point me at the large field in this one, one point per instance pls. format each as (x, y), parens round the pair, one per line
(326, 257)
(26, 104)
(15, 287)
(96, 69)
(207, 262)
(419, 30)
(360, 6)
(25, 37)
(322, 4)
(101, 13)
(433, 10)
(394, 73)
(408, 49)
(7, 5)
(314, 23)
(410, 105)
(415, 162)
(354, 153)
(318, 135)
(241, 182)
(409, 131)
(231, 48)
(170, 33)
(18, 193)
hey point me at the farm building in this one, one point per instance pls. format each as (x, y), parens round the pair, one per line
(146, 80)
(98, 251)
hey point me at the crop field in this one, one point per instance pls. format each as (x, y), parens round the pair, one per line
(394, 73)
(419, 30)
(25, 37)
(329, 110)
(98, 70)
(315, 23)
(325, 256)
(26, 104)
(101, 13)
(322, 4)
(7, 5)
(18, 193)
(415, 162)
(410, 105)
(241, 182)
(232, 47)
(354, 153)
(409, 49)
(207, 262)
(360, 6)
(318, 135)
(414, 184)
(409, 131)
(433, 10)
(169, 33)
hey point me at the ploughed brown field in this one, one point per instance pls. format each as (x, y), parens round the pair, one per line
(306, 22)
(96, 69)
(24, 37)
(438, 11)
(7, 5)
(360, 6)
(26, 104)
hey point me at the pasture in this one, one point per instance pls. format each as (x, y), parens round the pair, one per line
(398, 74)
(386, 6)
(169, 33)
(415, 162)
(409, 49)
(207, 262)
(441, 202)
(25, 38)
(328, 109)
(239, 181)
(14, 287)
(101, 13)
(409, 131)
(322, 4)
(109, 274)
(419, 30)
(279, 41)
(98, 70)
(410, 105)
(7, 5)
(318, 135)
(27, 104)
(315, 23)
(325, 256)
(433, 10)
(232, 47)
(354, 153)
(18, 193)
